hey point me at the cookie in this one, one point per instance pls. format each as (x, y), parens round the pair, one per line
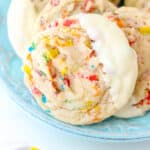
(79, 69)
(141, 4)
(20, 20)
(136, 25)
(23, 15)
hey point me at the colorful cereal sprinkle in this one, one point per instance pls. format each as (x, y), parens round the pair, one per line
(93, 78)
(119, 22)
(145, 30)
(69, 22)
(46, 40)
(29, 58)
(32, 47)
(27, 69)
(47, 59)
(35, 91)
(44, 99)
(67, 81)
(92, 66)
(64, 71)
(63, 42)
(62, 87)
(48, 111)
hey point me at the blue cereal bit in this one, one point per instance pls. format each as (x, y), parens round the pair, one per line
(92, 66)
(44, 99)
(32, 47)
(48, 111)
(62, 87)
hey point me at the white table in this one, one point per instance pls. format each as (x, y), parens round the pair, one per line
(18, 127)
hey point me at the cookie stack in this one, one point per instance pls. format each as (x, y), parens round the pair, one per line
(84, 60)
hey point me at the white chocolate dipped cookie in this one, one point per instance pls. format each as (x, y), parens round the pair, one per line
(80, 70)
(22, 16)
(136, 26)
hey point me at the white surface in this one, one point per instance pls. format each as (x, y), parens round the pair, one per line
(17, 127)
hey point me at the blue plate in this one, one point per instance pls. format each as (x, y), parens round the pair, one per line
(113, 129)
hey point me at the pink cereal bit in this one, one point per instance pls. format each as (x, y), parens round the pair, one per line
(54, 3)
(35, 91)
(69, 22)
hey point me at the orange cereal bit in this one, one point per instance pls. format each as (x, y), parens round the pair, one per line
(92, 54)
(29, 57)
(144, 30)
(63, 42)
(119, 22)
(64, 13)
(87, 42)
(88, 6)
(54, 3)
(51, 70)
(55, 86)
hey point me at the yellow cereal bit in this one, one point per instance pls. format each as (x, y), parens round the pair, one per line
(46, 40)
(65, 30)
(52, 53)
(89, 104)
(27, 70)
(29, 58)
(61, 61)
(87, 42)
(63, 42)
(97, 108)
(64, 71)
(75, 32)
(145, 30)
(64, 13)
(34, 148)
